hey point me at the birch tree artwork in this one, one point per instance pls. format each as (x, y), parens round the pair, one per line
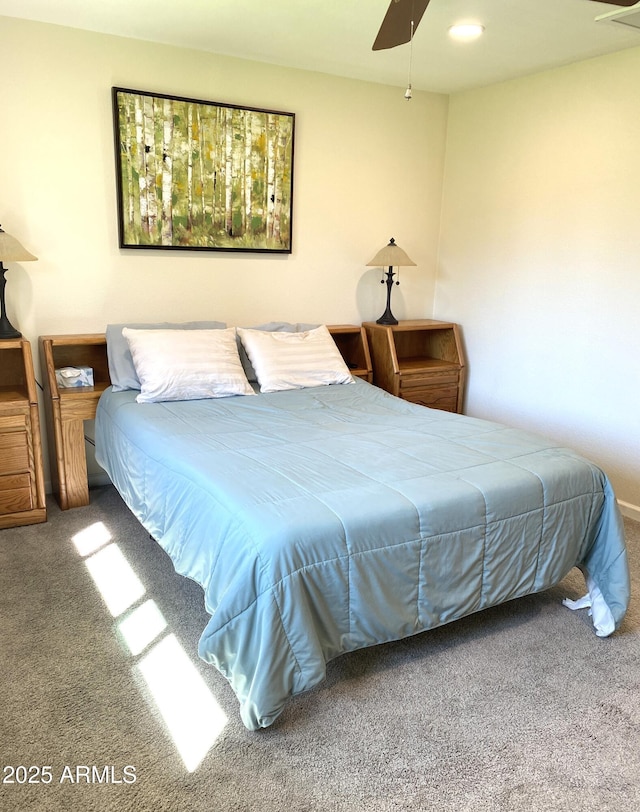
(200, 175)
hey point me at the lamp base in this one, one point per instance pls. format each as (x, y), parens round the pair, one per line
(7, 330)
(387, 318)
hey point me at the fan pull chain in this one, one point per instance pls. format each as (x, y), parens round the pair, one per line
(407, 93)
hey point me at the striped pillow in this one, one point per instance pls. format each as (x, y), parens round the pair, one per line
(186, 364)
(294, 360)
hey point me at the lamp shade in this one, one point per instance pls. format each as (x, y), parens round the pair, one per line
(11, 250)
(391, 255)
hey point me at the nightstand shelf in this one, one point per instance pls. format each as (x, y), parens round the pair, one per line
(354, 348)
(22, 496)
(420, 360)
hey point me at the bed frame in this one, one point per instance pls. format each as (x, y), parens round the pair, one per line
(67, 409)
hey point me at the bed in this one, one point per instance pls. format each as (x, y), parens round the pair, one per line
(325, 518)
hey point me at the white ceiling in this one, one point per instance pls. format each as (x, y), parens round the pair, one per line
(335, 36)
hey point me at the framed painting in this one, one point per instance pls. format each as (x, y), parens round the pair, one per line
(202, 176)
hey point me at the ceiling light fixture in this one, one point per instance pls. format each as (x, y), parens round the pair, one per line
(466, 32)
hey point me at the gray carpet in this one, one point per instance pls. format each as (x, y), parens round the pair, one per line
(520, 707)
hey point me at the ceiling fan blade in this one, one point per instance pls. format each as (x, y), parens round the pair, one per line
(625, 3)
(396, 26)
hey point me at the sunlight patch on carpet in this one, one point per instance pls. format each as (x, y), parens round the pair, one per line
(92, 538)
(142, 626)
(118, 584)
(191, 713)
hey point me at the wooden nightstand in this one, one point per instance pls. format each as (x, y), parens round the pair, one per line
(22, 497)
(419, 360)
(67, 409)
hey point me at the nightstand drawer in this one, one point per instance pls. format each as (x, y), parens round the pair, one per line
(14, 452)
(420, 380)
(15, 493)
(15, 421)
(435, 397)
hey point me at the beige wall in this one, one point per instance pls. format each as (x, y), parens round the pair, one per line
(540, 256)
(368, 166)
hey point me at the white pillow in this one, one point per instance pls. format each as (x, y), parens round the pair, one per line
(294, 360)
(272, 326)
(186, 364)
(121, 370)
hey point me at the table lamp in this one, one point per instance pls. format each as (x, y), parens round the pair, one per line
(389, 256)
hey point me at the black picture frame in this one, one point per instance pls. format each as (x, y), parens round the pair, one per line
(199, 175)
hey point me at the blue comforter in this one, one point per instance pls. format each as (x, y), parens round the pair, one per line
(320, 521)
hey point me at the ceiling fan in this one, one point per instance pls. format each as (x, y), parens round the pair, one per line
(403, 16)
